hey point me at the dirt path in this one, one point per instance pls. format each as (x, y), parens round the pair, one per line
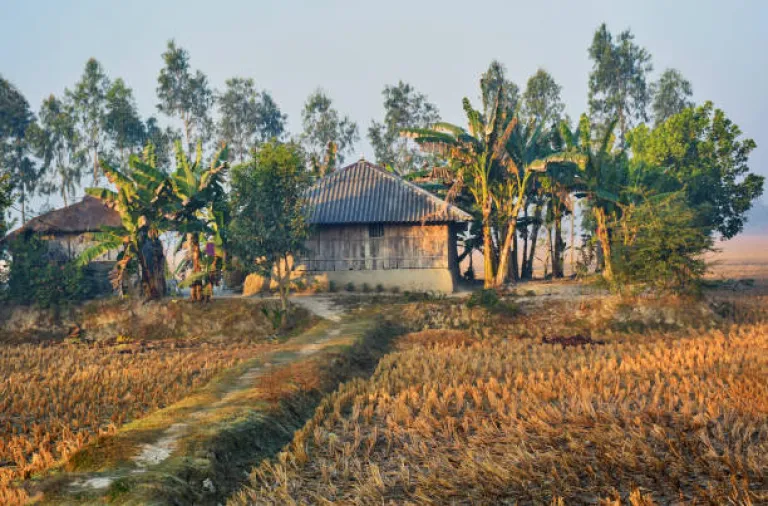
(230, 394)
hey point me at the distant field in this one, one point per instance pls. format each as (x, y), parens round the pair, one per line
(742, 257)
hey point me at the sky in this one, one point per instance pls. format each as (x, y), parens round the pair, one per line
(352, 49)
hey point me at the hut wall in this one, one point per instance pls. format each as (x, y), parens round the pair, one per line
(72, 245)
(355, 248)
(412, 257)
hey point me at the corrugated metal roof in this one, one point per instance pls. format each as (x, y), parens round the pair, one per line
(365, 193)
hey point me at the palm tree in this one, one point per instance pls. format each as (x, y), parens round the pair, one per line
(479, 158)
(600, 176)
(140, 199)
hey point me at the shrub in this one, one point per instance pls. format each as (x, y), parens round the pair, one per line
(658, 243)
(333, 287)
(379, 288)
(350, 287)
(395, 289)
(366, 288)
(37, 277)
(486, 298)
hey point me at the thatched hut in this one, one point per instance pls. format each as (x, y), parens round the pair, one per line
(69, 232)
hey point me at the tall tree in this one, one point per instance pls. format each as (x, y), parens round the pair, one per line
(18, 135)
(89, 100)
(618, 86)
(541, 99)
(671, 94)
(58, 146)
(327, 135)
(162, 140)
(185, 95)
(247, 117)
(404, 107)
(493, 84)
(269, 227)
(702, 151)
(121, 120)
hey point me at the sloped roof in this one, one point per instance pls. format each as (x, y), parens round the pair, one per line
(88, 215)
(364, 193)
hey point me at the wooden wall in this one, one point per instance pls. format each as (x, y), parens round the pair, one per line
(350, 248)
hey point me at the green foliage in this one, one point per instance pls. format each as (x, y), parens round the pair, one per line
(185, 95)
(380, 288)
(657, 243)
(701, 151)
(122, 123)
(541, 100)
(350, 287)
(58, 145)
(333, 287)
(268, 227)
(38, 278)
(324, 127)
(366, 288)
(18, 136)
(89, 101)
(618, 87)
(671, 95)
(404, 107)
(247, 117)
(487, 298)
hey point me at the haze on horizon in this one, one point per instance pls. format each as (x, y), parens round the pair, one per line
(353, 49)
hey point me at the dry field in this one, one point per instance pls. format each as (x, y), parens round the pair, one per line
(653, 417)
(56, 398)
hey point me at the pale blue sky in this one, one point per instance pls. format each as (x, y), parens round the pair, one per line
(352, 49)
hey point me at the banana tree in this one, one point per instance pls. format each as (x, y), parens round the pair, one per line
(139, 199)
(599, 176)
(199, 211)
(478, 156)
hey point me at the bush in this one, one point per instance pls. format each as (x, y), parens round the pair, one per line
(395, 289)
(487, 298)
(38, 278)
(350, 287)
(366, 288)
(379, 288)
(658, 243)
(333, 287)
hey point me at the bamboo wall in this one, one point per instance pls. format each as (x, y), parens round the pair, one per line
(350, 248)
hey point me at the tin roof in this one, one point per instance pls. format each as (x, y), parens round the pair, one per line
(365, 193)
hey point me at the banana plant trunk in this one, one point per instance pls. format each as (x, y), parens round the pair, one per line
(605, 244)
(488, 272)
(152, 262)
(193, 245)
(506, 251)
(535, 227)
(558, 245)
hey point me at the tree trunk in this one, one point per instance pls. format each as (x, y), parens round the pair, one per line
(515, 263)
(605, 244)
(535, 227)
(558, 245)
(506, 248)
(487, 251)
(23, 205)
(573, 239)
(193, 247)
(96, 174)
(152, 264)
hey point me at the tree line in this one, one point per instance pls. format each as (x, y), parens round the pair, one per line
(644, 162)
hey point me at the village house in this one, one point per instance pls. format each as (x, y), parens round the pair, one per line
(69, 232)
(371, 227)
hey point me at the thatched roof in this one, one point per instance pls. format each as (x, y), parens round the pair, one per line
(364, 193)
(88, 215)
